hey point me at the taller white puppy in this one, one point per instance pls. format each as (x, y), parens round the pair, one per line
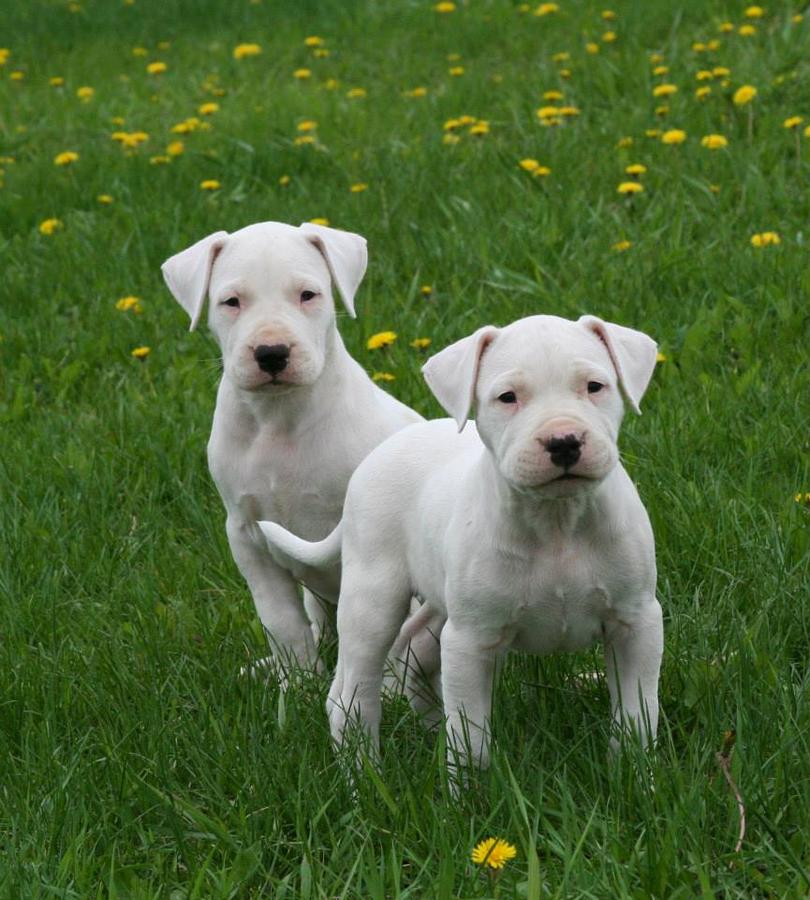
(530, 536)
(295, 413)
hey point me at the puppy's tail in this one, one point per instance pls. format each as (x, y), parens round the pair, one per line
(302, 559)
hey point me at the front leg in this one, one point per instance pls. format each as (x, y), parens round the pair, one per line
(275, 595)
(468, 671)
(632, 664)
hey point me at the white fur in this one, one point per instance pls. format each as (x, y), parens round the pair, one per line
(481, 525)
(284, 445)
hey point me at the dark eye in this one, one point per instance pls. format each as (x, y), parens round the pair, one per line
(307, 295)
(508, 397)
(594, 387)
(231, 301)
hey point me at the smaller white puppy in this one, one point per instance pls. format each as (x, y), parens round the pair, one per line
(525, 533)
(295, 413)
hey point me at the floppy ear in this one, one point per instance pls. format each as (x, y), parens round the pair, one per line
(346, 257)
(187, 273)
(453, 372)
(632, 353)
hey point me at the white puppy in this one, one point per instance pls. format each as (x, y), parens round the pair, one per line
(295, 413)
(525, 533)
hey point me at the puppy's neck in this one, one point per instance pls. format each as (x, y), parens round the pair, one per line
(527, 513)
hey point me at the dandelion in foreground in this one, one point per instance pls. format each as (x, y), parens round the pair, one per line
(744, 94)
(141, 352)
(210, 184)
(383, 376)
(792, 122)
(665, 90)
(65, 158)
(242, 51)
(359, 187)
(445, 7)
(319, 220)
(50, 225)
(426, 290)
(714, 142)
(493, 852)
(765, 239)
(621, 246)
(208, 109)
(104, 199)
(661, 357)
(356, 93)
(803, 498)
(754, 12)
(302, 74)
(630, 187)
(421, 343)
(86, 93)
(529, 165)
(381, 339)
(129, 304)
(673, 136)
(314, 40)
(156, 68)
(284, 180)
(635, 169)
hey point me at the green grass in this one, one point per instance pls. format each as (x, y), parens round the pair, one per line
(134, 760)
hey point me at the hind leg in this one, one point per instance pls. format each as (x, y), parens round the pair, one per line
(370, 613)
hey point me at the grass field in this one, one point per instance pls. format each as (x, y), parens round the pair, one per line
(134, 761)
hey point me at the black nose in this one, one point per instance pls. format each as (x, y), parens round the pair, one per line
(564, 450)
(272, 359)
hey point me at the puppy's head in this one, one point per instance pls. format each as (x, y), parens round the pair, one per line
(548, 396)
(271, 306)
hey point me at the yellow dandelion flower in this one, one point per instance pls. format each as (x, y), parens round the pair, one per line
(713, 44)
(548, 112)
(493, 852)
(714, 188)
(673, 136)
(104, 199)
(656, 58)
(793, 122)
(698, 47)
(561, 57)
(479, 129)
(304, 139)
(564, 73)
(621, 246)
(302, 74)
(331, 84)
(381, 339)
(608, 15)
(545, 9)
(210, 184)
(307, 125)
(721, 72)
(662, 110)
(455, 71)
(807, 132)
(445, 7)
(284, 180)
(529, 165)
(630, 187)
(140, 51)
(802, 497)
(624, 142)
(359, 187)
(747, 30)
(569, 111)
(141, 352)
(765, 239)
(65, 158)
(56, 81)
(17, 76)
(320, 53)
(49, 226)
(714, 142)
(129, 304)
(450, 139)
(665, 90)
(156, 68)
(744, 94)
(552, 96)
(754, 12)
(704, 75)
(176, 148)
(383, 376)
(417, 92)
(592, 48)
(661, 70)
(426, 290)
(356, 93)
(4, 55)
(797, 18)
(160, 160)
(314, 41)
(702, 93)
(243, 51)
(85, 93)
(609, 37)
(661, 357)
(319, 220)
(541, 172)
(635, 169)
(452, 124)
(208, 109)
(421, 343)
(726, 27)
